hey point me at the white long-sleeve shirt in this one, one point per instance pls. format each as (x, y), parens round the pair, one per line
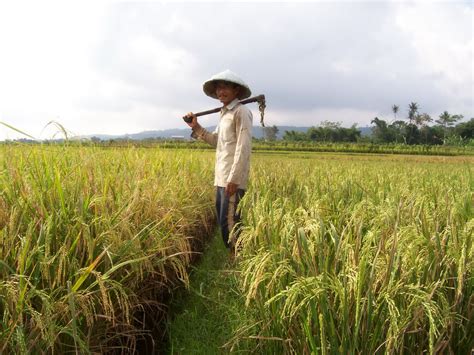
(233, 141)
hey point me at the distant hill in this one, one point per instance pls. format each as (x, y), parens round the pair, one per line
(257, 132)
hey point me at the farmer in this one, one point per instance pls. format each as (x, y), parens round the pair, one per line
(232, 139)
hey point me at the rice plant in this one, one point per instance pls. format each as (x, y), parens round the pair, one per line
(359, 255)
(91, 239)
(338, 254)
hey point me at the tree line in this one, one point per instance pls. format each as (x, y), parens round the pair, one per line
(416, 128)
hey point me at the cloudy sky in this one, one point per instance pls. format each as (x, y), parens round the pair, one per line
(119, 67)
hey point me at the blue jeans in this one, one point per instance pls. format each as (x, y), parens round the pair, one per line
(227, 214)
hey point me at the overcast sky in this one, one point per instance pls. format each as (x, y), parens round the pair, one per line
(125, 67)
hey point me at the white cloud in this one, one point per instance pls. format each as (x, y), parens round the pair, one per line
(121, 67)
(442, 36)
(44, 64)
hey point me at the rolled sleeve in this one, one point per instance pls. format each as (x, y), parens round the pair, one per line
(206, 136)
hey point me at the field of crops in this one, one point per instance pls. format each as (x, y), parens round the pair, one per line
(284, 146)
(338, 253)
(359, 254)
(92, 240)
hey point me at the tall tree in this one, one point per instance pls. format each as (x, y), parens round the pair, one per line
(412, 129)
(380, 131)
(423, 119)
(447, 121)
(399, 129)
(395, 109)
(465, 130)
(412, 112)
(271, 133)
(295, 136)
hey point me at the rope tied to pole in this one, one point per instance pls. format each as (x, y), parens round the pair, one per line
(261, 107)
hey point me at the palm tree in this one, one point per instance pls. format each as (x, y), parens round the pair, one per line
(412, 111)
(400, 129)
(446, 120)
(423, 119)
(395, 109)
(380, 130)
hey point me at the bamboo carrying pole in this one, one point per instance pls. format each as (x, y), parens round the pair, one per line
(260, 99)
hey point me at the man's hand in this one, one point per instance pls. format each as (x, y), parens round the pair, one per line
(231, 189)
(194, 123)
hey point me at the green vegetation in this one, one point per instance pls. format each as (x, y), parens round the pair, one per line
(92, 240)
(211, 310)
(371, 148)
(359, 255)
(284, 147)
(342, 253)
(416, 134)
(325, 132)
(415, 130)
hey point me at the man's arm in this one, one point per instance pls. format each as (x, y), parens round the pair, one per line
(201, 133)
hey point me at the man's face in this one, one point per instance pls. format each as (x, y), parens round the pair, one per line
(226, 92)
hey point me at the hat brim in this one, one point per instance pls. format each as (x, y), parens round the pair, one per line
(209, 88)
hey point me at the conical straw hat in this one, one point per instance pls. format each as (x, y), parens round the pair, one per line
(209, 86)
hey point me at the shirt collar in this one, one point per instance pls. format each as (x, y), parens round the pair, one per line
(231, 105)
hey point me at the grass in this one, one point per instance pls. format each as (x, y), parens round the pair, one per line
(207, 315)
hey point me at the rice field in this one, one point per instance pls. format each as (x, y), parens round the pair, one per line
(91, 240)
(338, 253)
(359, 255)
